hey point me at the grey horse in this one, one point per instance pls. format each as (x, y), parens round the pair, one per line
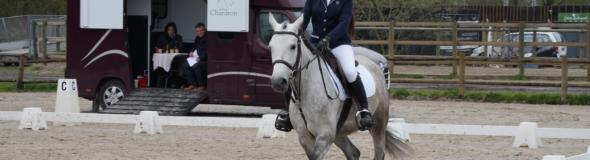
(314, 115)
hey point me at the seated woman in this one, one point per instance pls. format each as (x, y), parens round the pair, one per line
(196, 74)
(171, 42)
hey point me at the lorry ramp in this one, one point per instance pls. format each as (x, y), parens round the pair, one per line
(167, 102)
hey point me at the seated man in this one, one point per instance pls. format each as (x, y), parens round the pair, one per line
(171, 42)
(196, 74)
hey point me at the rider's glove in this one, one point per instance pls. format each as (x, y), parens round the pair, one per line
(324, 43)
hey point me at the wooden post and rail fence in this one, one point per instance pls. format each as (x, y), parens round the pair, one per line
(40, 43)
(459, 60)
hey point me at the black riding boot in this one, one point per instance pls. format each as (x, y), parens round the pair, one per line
(283, 122)
(363, 116)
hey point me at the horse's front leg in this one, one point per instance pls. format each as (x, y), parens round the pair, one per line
(322, 146)
(306, 139)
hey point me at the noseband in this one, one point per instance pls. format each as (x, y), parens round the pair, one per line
(297, 59)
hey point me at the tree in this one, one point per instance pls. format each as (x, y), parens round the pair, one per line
(22, 7)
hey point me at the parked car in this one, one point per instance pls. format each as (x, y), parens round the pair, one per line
(530, 51)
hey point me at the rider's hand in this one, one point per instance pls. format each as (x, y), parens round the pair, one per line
(324, 43)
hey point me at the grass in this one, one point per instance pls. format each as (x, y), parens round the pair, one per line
(28, 87)
(409, 76)
(520, 78)
(495, 97)
(417, 76)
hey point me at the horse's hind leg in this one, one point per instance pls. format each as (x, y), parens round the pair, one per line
(350, 151)
(378, 135)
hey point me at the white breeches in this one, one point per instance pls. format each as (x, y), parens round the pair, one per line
(345, 57)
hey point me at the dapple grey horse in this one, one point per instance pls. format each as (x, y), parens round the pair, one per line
(314, 115)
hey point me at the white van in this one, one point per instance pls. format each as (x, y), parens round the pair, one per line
(507, 51)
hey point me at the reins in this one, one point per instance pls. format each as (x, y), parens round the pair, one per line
(297, 68)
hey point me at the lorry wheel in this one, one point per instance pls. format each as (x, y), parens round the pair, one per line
(110, 93)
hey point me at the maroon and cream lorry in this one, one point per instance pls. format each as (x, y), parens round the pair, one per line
(110, 44)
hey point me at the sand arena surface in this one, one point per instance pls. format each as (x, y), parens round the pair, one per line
(110, 141)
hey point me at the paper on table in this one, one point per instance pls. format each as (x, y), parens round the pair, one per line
(193, 59)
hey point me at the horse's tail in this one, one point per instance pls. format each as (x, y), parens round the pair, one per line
(396, 147)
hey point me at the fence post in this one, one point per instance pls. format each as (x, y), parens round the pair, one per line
(391, 47)
(35, 40)
(534, 40)
(564, 78)
(485, 39)
(44, 39)
(521, 49)
(57, 34)
(588, 51)
(437, 51)
(461, 75)
(455, 45)
(21, 70)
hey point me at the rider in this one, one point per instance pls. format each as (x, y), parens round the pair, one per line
(331, 20)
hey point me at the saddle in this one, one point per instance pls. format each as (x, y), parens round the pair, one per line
(332, 62)
(330, 59)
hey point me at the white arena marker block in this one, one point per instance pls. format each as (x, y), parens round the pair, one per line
(148, 122)
(66, 99)
(266, 127)
(554, 157)
(397, 126)
(526, 136)
(588, 150)
(32, 119)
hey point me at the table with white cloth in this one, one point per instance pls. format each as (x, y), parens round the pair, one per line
(164, 60)
(170, 63)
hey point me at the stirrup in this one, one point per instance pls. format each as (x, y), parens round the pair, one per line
(283, 122)
(365, 122)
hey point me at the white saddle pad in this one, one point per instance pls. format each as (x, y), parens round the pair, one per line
(367, 78)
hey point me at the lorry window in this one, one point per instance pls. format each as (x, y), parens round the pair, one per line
(309, 28)
(93, 15)
(159, 9)
(264, 27)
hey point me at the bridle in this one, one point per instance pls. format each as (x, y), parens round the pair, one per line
(295, 67)
(297, 59)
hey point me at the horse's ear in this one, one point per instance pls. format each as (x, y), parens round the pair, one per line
(273, 22)
(298, 22)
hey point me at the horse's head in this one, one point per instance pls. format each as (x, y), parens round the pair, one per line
(286, 52)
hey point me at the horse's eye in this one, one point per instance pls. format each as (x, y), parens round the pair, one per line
(292, 47)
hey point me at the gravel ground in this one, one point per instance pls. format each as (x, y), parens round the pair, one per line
(102, 141)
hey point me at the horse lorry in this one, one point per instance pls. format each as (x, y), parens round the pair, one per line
(110, 45)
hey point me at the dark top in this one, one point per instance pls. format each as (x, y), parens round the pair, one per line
(201, 46)
(166, 40)
(329, 20)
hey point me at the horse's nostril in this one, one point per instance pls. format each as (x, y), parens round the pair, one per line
(283, 82)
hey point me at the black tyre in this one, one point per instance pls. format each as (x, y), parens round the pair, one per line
(109, 93)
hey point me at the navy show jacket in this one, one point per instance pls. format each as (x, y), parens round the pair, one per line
(328, 20)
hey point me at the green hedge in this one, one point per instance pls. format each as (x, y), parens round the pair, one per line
(29, 87)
